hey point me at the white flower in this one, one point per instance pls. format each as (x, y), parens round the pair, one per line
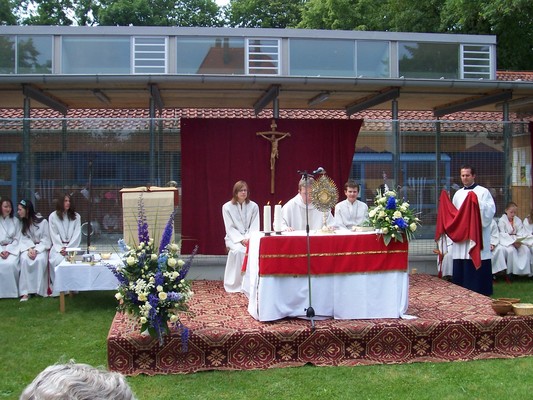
(174, 247)
(171, 262)
(131, 260)
(412, 227)
(142, 297)
(382, 214)
(162, 295)
(385, 230)
(159, 288)
(181, 263)
(397, 214)
(174, 318)
(118, 296)
(372, 213)
(143, 320)
(153, 257)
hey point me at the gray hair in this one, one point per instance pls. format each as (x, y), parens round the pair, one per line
(72, 381)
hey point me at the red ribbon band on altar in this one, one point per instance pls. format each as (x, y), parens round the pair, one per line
(330, 254)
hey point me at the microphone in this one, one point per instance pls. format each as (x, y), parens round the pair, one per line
(319, 170)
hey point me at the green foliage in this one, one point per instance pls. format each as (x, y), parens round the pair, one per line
(264, 13)
(7, 17)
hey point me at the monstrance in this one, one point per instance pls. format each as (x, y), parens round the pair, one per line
(324, 196)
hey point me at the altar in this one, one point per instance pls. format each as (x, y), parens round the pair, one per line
(353, 275)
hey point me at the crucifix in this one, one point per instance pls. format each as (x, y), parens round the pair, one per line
(273, 137)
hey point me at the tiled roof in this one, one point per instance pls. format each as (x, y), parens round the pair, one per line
(514, 75)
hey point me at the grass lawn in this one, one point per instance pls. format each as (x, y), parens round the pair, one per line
(35, 334)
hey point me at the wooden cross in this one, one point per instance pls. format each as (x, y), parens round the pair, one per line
(273, 137)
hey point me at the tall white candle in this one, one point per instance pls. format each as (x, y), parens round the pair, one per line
(267, 218)
(277, 218)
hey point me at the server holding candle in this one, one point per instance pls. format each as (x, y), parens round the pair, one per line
(241, 217)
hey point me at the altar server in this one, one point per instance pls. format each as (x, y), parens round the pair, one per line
(34, 246)
(465, 273)
(499, 263)
(241, 217)
(294, 211)
(350, 212)
(9, 251)
(512, 233)
(65, 231)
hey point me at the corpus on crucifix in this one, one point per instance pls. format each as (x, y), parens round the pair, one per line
(273, 137)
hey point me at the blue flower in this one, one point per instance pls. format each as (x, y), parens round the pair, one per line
(391, 203)
(401, 223)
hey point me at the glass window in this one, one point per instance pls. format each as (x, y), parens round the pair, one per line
(96, 55)
(317, 57)
(263, 57)
(428, 60)
(34, 54)
(373, 59)
(150, 55)
(476, 62)
(7, 54)
(210, 55)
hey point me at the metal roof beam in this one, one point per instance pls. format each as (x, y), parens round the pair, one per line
(269, 96)
(373, 100)
(43, 98)
(472, 102)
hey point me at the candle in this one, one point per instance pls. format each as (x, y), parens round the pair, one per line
(277, 218)
(267, 220)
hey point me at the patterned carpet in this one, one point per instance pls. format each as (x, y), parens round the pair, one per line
(452, 324)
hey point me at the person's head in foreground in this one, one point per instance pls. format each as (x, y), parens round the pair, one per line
(73, 381)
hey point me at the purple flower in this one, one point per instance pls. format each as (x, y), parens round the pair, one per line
(159, 278)
(142, 223)
(185, 269)
(167, 233)
(391, 203)
(174, 296)
(122, 280)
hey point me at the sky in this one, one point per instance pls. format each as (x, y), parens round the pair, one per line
(222, 2)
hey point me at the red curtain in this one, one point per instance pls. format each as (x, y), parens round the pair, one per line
(216, 153)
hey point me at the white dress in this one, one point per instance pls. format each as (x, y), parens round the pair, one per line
(518, 259)
(239, 220)
(9, 268)
(499, 262)
(63, 233)
(293, 215)
(34, 274)
(348, 215)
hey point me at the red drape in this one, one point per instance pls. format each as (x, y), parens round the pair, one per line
(531, 144)
(218, 152)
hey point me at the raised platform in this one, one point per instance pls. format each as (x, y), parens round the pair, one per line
(452, 324)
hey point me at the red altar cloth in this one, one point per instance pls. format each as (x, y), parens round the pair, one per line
(330, 254)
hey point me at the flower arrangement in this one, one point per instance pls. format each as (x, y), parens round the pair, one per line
(152, 286)
(393, 217)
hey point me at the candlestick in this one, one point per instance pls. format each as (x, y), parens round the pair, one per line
(277, 217)
(267, 220)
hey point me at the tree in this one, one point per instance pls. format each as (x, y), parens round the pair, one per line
(159, 13)
(48, 12)
(264, 13)
(7, 17)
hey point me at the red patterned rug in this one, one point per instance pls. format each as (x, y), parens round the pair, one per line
(453, 324)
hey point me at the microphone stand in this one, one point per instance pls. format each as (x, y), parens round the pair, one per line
(89, 216)
(309, 311)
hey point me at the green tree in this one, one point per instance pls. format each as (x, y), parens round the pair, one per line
(159, 13)
(510, 20)
(264, 13)
(7, 17)
(48, 12)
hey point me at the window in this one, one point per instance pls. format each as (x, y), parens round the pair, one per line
(428, 60)
(476, 61)
(210, 55)
(34, 54)
(311, 57)
(150, 55)
(373, 59)
(263, 57)
(96, 55)
(7, 54)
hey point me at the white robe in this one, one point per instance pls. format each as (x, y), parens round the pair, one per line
(239, 221)
(34, 274)
(9, 268)
(63, 233)
(487, 210)
(499, 262)
(293, 215)
(348, 215)
(518, 259)
(445, 247)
